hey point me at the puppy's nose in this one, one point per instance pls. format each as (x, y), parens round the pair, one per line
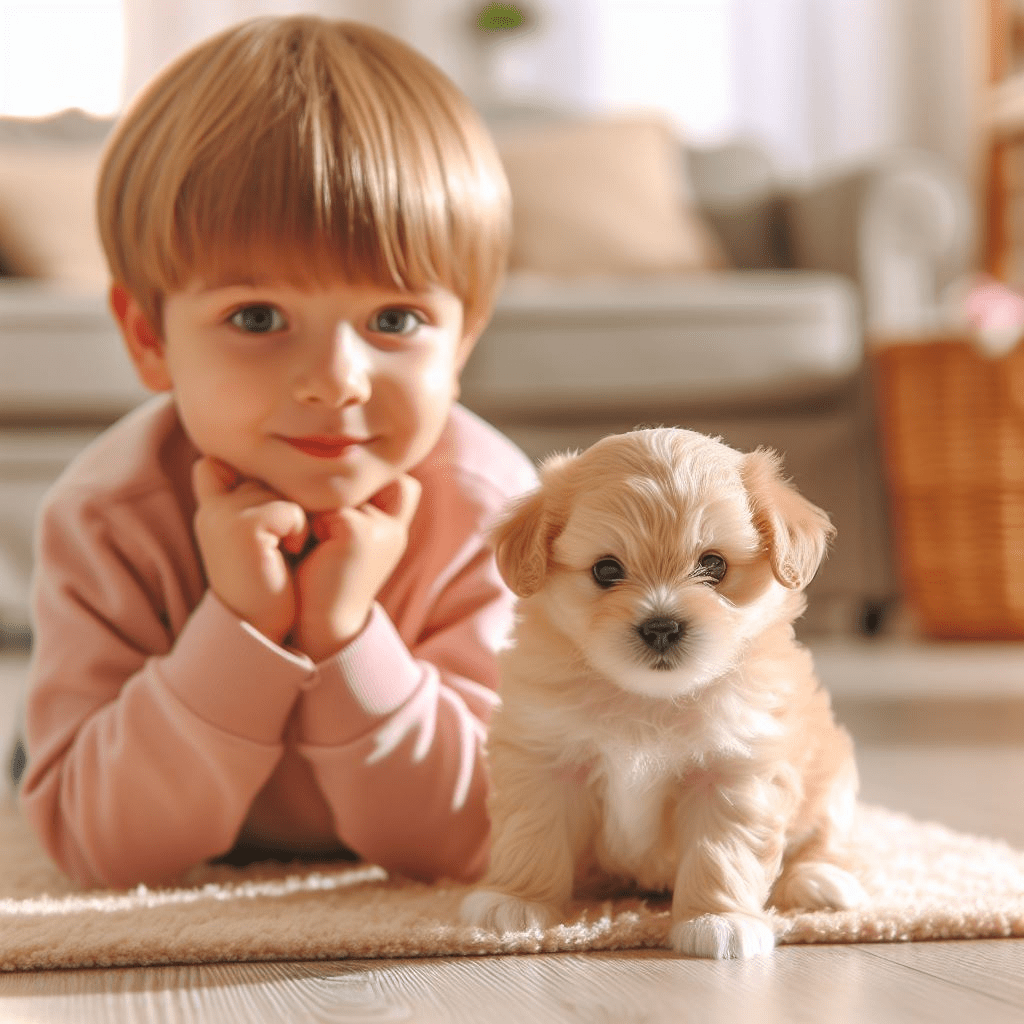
(661, 634)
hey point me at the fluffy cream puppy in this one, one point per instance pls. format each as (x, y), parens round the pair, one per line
(660, 726)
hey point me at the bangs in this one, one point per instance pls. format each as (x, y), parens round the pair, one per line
(270, 222)
(353, 193)
(314, 151)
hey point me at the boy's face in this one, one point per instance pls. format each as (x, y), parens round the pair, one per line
(325, 396)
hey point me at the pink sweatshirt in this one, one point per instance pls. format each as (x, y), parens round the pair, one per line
(161, 729)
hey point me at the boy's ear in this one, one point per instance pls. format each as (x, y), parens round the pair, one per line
(144, 346)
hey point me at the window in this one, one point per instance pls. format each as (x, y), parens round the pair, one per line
(59, 55)
(677, 56)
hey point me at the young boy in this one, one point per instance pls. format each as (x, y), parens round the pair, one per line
(265, 611)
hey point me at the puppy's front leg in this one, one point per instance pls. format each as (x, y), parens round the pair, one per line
(535, 837)
(731, 841)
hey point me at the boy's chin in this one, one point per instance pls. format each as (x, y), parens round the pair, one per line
(330, 495)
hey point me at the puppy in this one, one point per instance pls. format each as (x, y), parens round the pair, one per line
(660, 726)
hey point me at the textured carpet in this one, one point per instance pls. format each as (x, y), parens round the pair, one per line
(924, 882)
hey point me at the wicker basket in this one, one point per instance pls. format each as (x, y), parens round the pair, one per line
(952, 429)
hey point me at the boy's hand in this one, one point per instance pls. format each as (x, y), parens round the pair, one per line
(241, 527)
(339, 580)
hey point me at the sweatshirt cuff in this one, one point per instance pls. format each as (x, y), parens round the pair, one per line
(369, 678)
(230, 675)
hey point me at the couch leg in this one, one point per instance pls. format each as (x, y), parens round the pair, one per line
(872, 617)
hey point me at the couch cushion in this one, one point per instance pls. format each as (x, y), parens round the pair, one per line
(62, 355)
(556, 347)
(603, 196)
(47, 177)
(738, 190)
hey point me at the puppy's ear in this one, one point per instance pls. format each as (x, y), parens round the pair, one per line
(796, 533)
(522, 539)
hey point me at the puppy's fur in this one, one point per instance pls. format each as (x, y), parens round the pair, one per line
(665, 729)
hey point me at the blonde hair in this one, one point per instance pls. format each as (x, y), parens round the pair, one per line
(326, 147)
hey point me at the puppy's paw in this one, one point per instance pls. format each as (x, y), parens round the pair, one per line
(500, 912)
(723, 936)
(818, 885)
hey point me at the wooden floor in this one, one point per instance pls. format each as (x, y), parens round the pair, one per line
(977, 983)
(940, 734)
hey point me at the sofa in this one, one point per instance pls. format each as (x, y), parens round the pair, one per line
(749, 319)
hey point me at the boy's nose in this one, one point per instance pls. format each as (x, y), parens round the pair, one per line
(340, 375)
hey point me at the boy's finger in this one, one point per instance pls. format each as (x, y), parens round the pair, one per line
(410, 491)
(295, 541)
(387, 499)
(284, 520)
(399, 498)
(331, 524)
(212, 478)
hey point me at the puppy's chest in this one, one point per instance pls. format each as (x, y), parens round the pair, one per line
(635, 835)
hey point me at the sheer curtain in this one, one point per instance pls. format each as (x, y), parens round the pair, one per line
(834, 81)
(818, 82)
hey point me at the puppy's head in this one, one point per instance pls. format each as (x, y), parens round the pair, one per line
(660, 553)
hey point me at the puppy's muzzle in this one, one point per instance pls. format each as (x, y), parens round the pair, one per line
(661, 635)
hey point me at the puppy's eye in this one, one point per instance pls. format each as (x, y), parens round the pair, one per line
(607, 572)
(712, 568)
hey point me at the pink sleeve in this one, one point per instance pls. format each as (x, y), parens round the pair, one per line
(143, 758)
(394, 731)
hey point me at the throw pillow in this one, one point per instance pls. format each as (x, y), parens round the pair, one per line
(47, 219)
(603, 196)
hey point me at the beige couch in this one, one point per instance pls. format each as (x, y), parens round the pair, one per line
(744, 316)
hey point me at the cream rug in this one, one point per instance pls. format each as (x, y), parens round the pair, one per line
(924, 881)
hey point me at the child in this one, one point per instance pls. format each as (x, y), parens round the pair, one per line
(265, 610)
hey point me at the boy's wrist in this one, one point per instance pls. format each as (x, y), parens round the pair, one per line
(325, 640)
(275, 631)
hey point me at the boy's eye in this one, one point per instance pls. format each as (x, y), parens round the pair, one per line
(258, 320)
(395, 321)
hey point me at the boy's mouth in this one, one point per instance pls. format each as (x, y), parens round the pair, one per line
(323, 446)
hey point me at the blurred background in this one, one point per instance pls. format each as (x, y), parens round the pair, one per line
(793, 223)
(786, 222)
(819, 81)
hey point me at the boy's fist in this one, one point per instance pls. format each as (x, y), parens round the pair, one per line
(240, 528)
(339, 580)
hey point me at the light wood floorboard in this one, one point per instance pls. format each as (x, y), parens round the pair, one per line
(838, 984)
(994, 968)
